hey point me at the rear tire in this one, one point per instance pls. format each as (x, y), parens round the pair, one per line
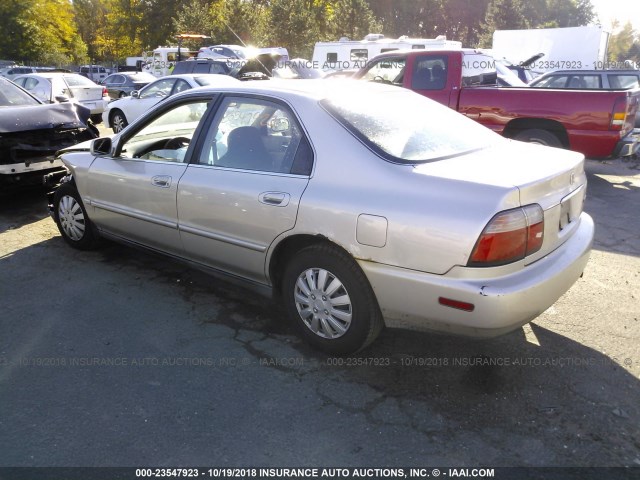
(96, 118)
(539, 137)
(328, 296)
(72, 219)
(122, 95)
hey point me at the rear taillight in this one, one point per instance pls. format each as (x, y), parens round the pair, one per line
(619, 114)
(105, 92)
(509, 236)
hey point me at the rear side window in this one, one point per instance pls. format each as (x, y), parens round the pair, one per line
(332, 57)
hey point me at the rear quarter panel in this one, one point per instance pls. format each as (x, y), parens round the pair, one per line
(432, 223)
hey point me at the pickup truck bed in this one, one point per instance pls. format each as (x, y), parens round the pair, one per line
(598, 124)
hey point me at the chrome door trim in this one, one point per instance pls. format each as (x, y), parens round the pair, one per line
(224, 238)
(133, 214)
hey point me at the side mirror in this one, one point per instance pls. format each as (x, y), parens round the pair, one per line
(62, 98)
(135, 94)
(101, 146)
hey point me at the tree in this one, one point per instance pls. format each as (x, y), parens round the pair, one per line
(625, 44)
(40, 31)
(503, 15)
(353, 19)
(90, 18)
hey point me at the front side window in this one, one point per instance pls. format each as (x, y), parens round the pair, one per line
(407, 128)
(256, 134)
(388, 70)
(167, 137)
(553, 81)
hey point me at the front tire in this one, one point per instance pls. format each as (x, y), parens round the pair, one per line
(72, 219)
(118, 121)
(328, 296)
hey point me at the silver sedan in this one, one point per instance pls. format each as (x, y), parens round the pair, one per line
(357, 206)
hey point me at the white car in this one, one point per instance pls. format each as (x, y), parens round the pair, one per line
(56, 87)
(356, 205)
(122, 112)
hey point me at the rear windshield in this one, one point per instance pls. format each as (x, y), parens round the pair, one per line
(405, 127)
(78, 81)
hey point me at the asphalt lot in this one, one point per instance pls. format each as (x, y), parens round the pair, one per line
(122, 358)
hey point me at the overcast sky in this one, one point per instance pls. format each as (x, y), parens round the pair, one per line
(623, 10)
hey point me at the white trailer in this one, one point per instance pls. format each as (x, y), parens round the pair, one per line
(349, 54)
(578, 48)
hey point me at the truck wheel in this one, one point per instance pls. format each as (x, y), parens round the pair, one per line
(540, 137)
(328, 296)
(72, 219)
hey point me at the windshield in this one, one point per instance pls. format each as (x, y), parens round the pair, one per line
(405, 127)
(13, 96)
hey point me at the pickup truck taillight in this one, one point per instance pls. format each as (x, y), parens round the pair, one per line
(619, 114)
(509, 236)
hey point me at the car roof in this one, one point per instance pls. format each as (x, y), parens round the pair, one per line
(315, 89)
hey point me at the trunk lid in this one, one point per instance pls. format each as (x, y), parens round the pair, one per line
(553, 178)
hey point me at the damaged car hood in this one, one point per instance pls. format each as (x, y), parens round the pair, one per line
(41, 117)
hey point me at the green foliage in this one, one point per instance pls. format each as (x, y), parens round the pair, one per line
(40, 31)
(110, 30)
(625, 44)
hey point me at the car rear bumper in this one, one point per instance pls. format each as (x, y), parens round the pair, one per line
(410, 299)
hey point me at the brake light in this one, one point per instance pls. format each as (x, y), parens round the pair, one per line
(619, 114)
(509, 236)
(105, 92)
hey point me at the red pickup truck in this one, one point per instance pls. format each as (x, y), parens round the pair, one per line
(598, 124)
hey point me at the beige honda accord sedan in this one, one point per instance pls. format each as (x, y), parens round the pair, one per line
(356, 206)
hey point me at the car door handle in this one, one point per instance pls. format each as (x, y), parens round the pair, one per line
(277, 199)
(163, 181)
